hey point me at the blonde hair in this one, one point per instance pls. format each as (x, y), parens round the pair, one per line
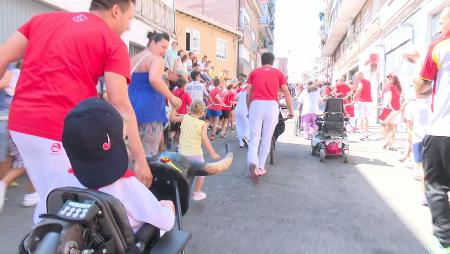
(197, 107)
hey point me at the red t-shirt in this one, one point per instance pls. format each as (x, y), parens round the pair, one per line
(266, 83)
(366, 93)
(395, 96)
(185, 100)
(65, 55)
(213, 103)
(342, 89)
(228, 98)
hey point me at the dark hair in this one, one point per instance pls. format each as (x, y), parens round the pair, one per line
(179, 51)
(195, 74)
(108, 4)
(191, 53)
(216, 82)
(181, 82)
(267, 58)
(184, 58)
(396, 82)
(157, 37)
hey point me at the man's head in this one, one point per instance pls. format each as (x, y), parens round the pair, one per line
(158, 43)
(181, 82)
(267, 58)
(205, 58)
(444, 21)
(359, 76)
(216, 82)
(342, 79)
(116, 13)
(195, 75)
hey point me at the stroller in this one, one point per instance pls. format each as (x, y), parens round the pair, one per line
(331, 138)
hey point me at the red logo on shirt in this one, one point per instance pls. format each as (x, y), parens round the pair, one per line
(79, 18)
(107, 144)
(56, 148)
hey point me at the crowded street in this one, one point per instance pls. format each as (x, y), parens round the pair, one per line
(371, 205)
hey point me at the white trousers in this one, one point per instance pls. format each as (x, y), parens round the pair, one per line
(242, 128)
(44, 159)
(263, 118)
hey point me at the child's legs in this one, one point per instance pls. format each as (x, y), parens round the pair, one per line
(12, 175)
(305, 125)
(199, 180)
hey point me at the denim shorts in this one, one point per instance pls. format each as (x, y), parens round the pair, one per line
(213, 113)
(4, 140)
(417, 149)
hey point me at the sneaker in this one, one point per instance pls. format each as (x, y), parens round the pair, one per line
(437, 248)
(245, 141)
(198, 195)
(2, 194)
(261, 172)
(13, 184)
(30, 199)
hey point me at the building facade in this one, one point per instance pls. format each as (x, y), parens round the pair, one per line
(205, 36)
(372, 36)
(151, 15)
(254, 18)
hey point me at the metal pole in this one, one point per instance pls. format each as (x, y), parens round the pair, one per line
(178, 208)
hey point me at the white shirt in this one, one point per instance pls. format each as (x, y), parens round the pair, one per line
(419, 112)
(139, 202)
(309, 101)
(196, 90)
(241, 106)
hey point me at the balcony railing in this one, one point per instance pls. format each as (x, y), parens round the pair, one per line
(157, 14)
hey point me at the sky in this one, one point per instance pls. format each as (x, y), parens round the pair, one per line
(296, 34)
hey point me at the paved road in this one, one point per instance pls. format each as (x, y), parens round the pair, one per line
(370, 205)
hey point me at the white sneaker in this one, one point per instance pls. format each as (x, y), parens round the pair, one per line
(30, 199)
(2, 194)
(197, 196)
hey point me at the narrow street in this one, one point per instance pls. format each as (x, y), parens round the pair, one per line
(371, 205)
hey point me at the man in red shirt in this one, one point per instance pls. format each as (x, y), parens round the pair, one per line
(264, 83)
(363, 102)
(64, 55)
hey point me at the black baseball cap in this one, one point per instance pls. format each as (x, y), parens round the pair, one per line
(93, 140)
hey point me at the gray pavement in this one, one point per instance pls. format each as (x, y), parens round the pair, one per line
(370, 205)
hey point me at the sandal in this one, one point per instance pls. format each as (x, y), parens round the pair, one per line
(260, 172)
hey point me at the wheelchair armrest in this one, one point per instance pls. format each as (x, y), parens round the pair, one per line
(146, 234)
(172, 242)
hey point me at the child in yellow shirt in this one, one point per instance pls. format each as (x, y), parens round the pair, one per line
(193, 134)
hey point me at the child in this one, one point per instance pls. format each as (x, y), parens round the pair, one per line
(193, 135)
(185, 103)
(215, 104)
(228, 100)
(93, 138)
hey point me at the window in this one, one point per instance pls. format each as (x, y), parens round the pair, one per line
(135, 48)
(435, 26)
(221, 49)
(192, 40)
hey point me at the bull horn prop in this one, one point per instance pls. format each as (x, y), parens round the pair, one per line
(213, 168)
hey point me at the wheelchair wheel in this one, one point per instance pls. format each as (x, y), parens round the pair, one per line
(272, 151)
(346, 156)
(322, 155)
(313, 150)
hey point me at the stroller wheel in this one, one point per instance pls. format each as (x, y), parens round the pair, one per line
(346, 156)
(322, 155)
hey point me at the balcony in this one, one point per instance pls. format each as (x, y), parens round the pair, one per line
(157, 14)
(342, 15)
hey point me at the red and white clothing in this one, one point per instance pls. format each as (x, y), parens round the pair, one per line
(186, 101)
(65, 55)
(139, 202)
(263, 113)
(213, 102)
(229, 97)
(363, 100)
(437, 68)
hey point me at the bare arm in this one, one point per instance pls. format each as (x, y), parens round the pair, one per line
(358, 90)
(12, 50)
(174, 118)
(249, 95)
(116, 87)
(288, 98)
(4, 81)
(155, 77)
(207, 143)
(423, 86)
